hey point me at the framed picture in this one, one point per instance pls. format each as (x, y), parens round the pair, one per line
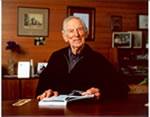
(142, 21)
(33, 21)
(136, 39)
(116, 23)
(121, 40)
(41, 66)
(88, 16)
(39, 41)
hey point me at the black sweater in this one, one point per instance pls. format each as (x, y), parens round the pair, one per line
(93, 70)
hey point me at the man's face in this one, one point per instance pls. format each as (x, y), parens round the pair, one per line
(75, 33)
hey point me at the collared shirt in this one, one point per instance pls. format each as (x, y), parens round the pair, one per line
(74, 59)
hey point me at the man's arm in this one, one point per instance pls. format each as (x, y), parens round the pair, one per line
(111, 82)
(46, 79)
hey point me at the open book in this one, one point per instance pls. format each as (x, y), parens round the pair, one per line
(62, 100)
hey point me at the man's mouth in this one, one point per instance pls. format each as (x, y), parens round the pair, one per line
(77, 40)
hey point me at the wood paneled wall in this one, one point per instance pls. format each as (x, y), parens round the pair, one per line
(58, 11)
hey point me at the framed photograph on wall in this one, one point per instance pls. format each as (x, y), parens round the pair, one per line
(142, 21)
(121, 40)
(33, 21)
(136, 39)
(88, 16)
(116, 23)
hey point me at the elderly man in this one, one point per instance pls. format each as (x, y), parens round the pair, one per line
(78, 67)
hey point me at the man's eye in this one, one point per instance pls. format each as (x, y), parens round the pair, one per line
(80, 29)
(70, 31)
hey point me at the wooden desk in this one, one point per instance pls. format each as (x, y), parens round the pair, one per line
(17, 88)
(132, 107)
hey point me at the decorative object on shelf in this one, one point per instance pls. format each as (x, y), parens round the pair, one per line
(33, 21)
(116, 23)
(147, 43)
(14, 48)
(142, 21)
(88, 16)
(122, 39)
(11, 67)
(32, 68)
(137, 39)
(142, 57)
(141, 83)
(134, 70)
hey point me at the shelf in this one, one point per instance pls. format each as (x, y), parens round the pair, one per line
(133, 63)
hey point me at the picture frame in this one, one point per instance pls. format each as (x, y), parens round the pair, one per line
(116, 23)
(88, 16)
(136, 39)
(41, 66)
(122, 40)
(142, 21)
(33, 21)
(39, 41)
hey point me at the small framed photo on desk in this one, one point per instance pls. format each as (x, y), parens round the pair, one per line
(41, 66)
(23, 69)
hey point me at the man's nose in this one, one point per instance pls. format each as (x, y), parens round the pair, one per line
(76, 32)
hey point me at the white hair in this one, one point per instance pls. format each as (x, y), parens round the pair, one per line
(73, 17)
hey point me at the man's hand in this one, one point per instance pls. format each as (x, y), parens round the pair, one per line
(47, 94)
(94, 91)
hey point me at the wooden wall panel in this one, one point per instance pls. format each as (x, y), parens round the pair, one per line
(58, 11)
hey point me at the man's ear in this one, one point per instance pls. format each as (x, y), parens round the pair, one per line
(64, 37)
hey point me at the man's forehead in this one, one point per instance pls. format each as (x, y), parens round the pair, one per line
(73, 24)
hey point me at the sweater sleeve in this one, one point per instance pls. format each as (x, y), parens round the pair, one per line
(46, 79)
(113, 84)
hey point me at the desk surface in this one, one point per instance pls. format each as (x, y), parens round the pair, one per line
(134, 106)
